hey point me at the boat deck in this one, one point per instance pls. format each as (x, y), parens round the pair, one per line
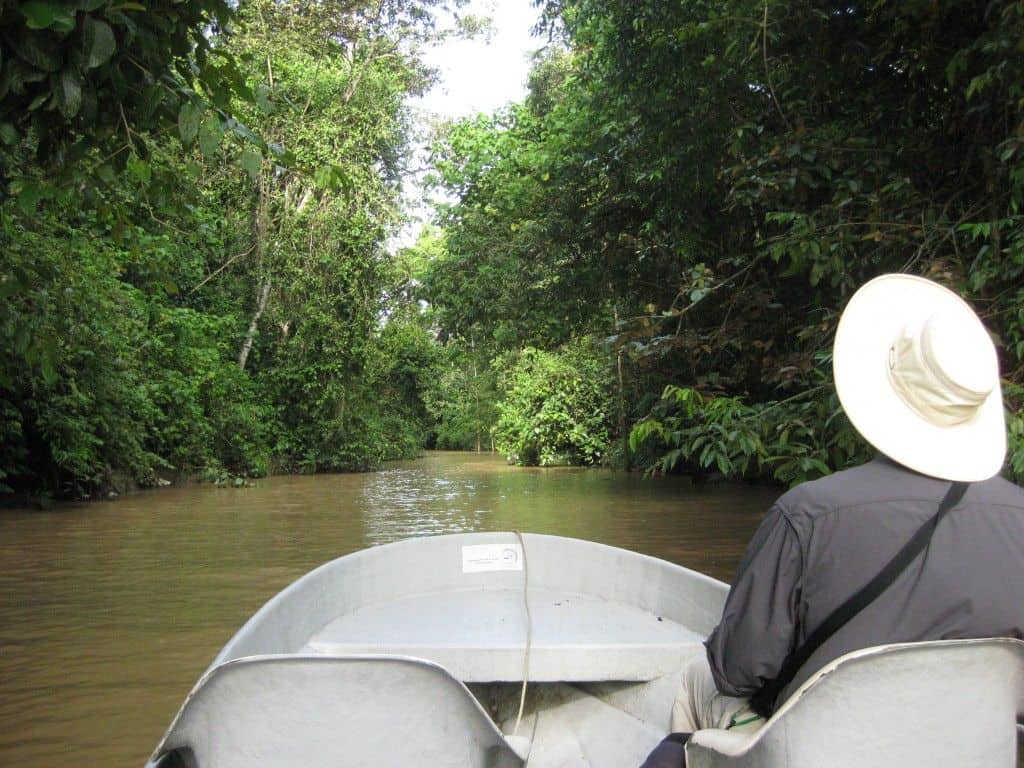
(480, 636)
(411, 653)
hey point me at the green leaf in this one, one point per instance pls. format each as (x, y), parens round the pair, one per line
(48, 361)
(282, 155)
(37, 52)
(29, 196)
(38, 101)
(38, 15)
(22, 338)
(106, 174)
(262, 97)
(322, 176)
(332, 177)
(243, 131)
(9, 134)
(151, 99)
(229, 74)
(169, 286)
(69, 93)
(188, 122)
(251, 161)
(210, 133)
(139, 170)
(41, 15)
(976, 84)
(98, 41)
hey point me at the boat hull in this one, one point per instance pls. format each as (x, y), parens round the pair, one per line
(599, 633)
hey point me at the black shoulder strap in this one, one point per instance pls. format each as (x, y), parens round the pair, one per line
(763, 702)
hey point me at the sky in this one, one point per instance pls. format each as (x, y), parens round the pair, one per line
(478, 75)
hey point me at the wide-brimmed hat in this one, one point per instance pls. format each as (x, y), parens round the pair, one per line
(918, 377)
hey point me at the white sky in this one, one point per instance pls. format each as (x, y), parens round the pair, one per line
(478, 75)
(481, 76)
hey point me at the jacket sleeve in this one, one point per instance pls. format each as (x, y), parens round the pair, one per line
(759, 623)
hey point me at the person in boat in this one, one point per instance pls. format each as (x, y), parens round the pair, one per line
(917, 376)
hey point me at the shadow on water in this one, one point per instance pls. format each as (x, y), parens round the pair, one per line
(110, 611)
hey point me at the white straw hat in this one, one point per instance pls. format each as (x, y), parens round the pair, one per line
(918, 377)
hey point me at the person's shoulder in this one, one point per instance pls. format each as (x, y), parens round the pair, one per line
(840, 489)
(998, 491)
(884, 481)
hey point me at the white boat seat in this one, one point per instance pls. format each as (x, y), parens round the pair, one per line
(944, 704)
(480, 636)
(287, 711)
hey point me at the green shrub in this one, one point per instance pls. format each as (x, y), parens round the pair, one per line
(1014, 401)
(555, 406)
(70, 367)
(789, 441)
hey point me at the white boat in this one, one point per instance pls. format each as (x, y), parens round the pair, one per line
(415, 654)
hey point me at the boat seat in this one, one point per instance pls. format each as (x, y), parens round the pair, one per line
(943, 704)
(286, 711)
(480, 636)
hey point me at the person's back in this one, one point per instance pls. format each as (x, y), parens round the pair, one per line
(969, 584)
(917, 375)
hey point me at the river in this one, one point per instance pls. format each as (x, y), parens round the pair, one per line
(109, 611)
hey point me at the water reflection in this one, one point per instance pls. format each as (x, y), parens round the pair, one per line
(110, 611)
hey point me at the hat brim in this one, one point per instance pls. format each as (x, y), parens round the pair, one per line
(970, 451)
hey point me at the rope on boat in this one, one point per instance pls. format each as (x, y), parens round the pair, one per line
(529, 634)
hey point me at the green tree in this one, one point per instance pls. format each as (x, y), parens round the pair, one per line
(555, 406)
(331, 85)
(96, 73)
(165, 311)
(707, 183)
(461, 397)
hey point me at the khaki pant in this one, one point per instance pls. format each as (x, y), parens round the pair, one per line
(700, 705)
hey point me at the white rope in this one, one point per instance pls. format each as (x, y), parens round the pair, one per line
(529, 634)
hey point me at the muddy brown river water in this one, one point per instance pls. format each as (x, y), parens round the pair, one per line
(109, 611)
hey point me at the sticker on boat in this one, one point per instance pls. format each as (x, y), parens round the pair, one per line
(478, 558)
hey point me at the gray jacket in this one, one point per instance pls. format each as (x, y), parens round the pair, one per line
(823, 540)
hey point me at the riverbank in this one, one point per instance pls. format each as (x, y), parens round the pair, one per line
(124, 486)
(121, 485)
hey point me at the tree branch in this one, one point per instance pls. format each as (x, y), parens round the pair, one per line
(222, 267)
(767, 72)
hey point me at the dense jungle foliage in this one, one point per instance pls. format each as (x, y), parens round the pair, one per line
(702, 186)
(642, 264)
(194, 273)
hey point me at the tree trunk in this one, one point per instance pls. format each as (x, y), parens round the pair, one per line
(261, 304)
(259, 236)
(476, 395)
(626, 458)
